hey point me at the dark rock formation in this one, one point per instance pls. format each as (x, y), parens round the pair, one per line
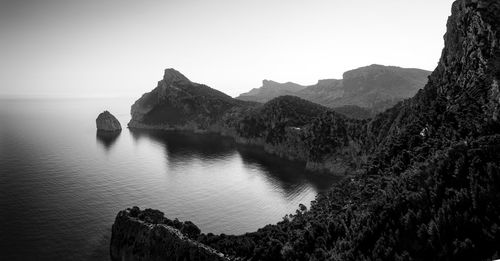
(375, 87)
(431, 188)
(106, 122)
(178, 103)
(147, 235)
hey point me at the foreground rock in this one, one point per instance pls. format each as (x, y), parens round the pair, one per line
(148, 235)
(106, 122)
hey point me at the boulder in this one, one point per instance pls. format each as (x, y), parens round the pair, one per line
(107, 122)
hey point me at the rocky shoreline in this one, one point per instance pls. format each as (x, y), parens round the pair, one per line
(145, 235)
(331, 166)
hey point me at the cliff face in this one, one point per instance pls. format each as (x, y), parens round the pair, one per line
(431, 190)
(142, 236)
(178, 103)
(380, 87)
(460, 102)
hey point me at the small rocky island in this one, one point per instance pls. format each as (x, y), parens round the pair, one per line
(107, 122)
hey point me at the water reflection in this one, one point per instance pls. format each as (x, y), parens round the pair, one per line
(107, 139)
(290, 176)
(289, 173)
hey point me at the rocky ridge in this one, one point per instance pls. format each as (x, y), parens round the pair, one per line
(178, 103)
(375, 87)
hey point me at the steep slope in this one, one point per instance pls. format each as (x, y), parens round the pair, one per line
(294, 128)
(431, 190)
(355, 112)
(178, 103)
(323, 92)
(270, 90)
(379, 87)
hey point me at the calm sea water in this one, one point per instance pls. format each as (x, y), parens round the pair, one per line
(61, 185)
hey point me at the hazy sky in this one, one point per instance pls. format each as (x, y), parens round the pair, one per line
(121, 47)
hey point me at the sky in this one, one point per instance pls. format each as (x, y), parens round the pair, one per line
(121, 47)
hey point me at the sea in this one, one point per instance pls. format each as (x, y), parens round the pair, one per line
(61, 184)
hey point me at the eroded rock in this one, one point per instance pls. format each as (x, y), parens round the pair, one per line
(107, 122)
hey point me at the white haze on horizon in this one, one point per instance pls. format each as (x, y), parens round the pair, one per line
(67, 48)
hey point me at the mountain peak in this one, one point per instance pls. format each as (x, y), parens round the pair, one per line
(171, 75)
(266, 82)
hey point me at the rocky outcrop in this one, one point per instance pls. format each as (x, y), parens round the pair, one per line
(178, 103)
(147, 235)
(106, 122)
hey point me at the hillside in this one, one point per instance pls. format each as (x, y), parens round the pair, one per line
(178, 103)
(285, 126)
(431, 191)
(270, 90)
(374, 87)
(431, 187)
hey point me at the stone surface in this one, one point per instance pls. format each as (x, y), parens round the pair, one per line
(146, 239)
(107, 122)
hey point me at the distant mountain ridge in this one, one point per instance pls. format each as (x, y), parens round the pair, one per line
(270, 90)
(376, 87)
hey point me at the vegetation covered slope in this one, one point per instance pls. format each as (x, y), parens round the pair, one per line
(181, 104)
(298, 129)
(431, 190)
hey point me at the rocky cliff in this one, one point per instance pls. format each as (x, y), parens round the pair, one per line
(178, 103)
(148, 235)
(431, 189)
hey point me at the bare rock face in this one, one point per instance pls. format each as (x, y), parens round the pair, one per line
(178, 103)
(107, 122)
(148, 235)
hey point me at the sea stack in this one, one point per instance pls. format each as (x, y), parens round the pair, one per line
(107, 122)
